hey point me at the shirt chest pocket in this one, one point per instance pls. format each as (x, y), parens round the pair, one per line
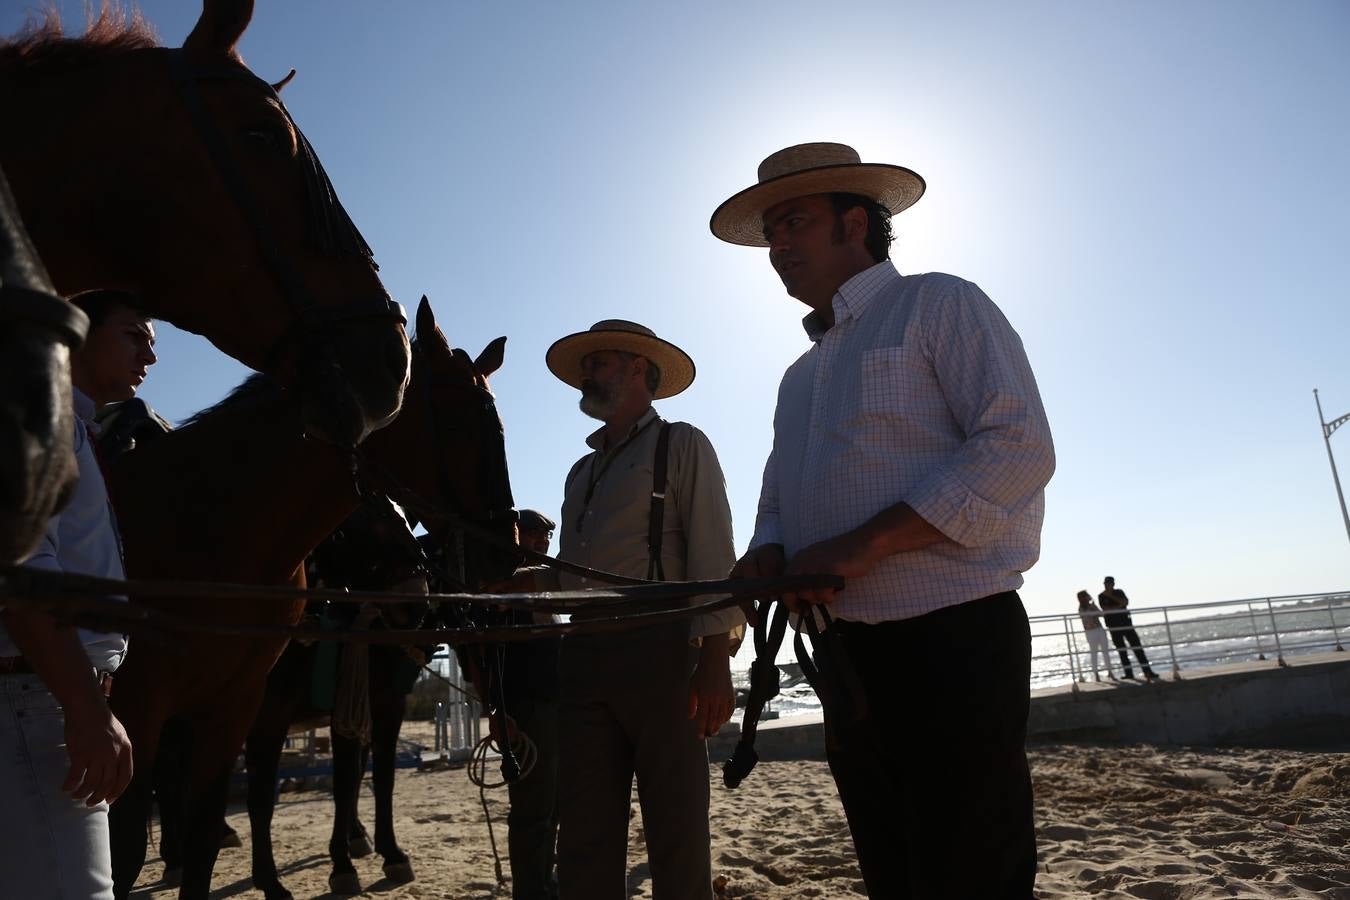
(891, 379)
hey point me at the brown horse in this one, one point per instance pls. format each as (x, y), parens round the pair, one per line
(241, 495)
(178, 175)
(37, 332)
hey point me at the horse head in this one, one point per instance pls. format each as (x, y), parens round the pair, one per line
(179, 175)
(448, 447)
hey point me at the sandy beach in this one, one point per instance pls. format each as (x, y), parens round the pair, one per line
(1113, 821)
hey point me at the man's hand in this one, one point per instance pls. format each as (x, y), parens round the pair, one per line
(712, 699)
(522, 581)
(765, 561)
(849, 555)
(99, 751)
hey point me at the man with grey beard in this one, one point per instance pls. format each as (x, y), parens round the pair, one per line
(642, 703)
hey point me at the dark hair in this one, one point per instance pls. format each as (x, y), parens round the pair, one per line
(879, 234)
(96, 304)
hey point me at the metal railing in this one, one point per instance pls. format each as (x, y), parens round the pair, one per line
(1195, 635)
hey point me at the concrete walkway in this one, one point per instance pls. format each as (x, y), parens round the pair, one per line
(1248, 703)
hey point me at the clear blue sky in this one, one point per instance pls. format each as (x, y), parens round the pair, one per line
(1155, 193)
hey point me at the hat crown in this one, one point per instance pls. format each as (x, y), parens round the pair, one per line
(622, 325)
(807, 156)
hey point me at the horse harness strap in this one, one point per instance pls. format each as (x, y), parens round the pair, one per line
(331, 229)
(764, 685)
(25, 305)
(657, 516)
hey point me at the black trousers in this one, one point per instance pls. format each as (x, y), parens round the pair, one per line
(934, 777)
(1123, 635)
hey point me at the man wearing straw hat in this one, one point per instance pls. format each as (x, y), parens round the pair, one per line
(642, 704)
(910, 455)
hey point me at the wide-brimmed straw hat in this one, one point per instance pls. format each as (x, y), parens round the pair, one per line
(564, 357)
(805, 169)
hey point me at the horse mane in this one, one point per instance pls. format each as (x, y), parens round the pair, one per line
(42, 47)
(254, 386)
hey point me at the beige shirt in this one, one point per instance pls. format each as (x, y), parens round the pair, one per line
(609, 531)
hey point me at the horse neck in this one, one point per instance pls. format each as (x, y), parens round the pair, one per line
(68, 180)
(239, 495)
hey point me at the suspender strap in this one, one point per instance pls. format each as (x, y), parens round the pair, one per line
(657, 517)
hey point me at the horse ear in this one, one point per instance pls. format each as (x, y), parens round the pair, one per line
(220, 27)
(426, 323)
(490, 360)
(283, 82)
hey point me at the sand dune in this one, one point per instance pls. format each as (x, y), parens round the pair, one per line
(1113, 821)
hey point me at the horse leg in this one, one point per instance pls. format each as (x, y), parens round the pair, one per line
(129, 816)
(346, 787)
(127, 820)
(205, 809)
(175, 747)
(358, 838)
(262, 752)
(212, 763)
(386, 712)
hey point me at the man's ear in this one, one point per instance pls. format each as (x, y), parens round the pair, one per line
(855, 223)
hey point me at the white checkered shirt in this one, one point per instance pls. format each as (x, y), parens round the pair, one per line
(921, 393)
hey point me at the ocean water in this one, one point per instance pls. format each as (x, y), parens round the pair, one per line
(1200, 637)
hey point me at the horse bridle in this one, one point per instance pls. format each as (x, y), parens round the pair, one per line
(331, 230)
(370, 477)
(20, 304)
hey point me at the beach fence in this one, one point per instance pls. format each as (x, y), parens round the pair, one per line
(458, 717)
(1178, 637)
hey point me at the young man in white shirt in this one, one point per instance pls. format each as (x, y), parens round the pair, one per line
(66, 756)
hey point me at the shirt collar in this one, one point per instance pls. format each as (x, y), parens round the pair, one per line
(853, 297)
(84, 407)
(596, 440)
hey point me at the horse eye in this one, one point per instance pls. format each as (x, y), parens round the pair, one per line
(268, 137)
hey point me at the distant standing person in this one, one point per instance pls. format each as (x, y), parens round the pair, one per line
(1114, 601)
(1096, 635)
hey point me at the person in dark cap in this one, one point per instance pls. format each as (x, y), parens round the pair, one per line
(536, 530)
(530, 672)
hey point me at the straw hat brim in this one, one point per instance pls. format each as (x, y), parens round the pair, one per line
(677, 369)
(740, 220)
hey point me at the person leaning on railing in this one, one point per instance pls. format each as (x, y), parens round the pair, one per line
(1095, 633)
(1123, 635)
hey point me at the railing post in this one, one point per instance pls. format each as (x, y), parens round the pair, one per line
(1275, 629)
(1256, 633)
(1072, 648)
(1171, 648)
(1336, 635)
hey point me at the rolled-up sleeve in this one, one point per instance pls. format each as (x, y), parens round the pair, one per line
(701, 497)
(1008, 455)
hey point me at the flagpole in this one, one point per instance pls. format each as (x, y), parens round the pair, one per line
(1327, 429)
